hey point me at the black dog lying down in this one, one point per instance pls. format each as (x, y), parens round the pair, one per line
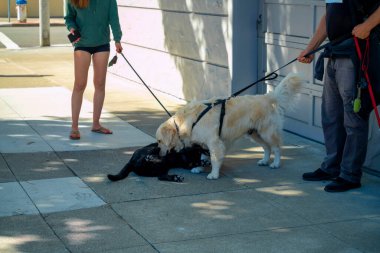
(146, 162)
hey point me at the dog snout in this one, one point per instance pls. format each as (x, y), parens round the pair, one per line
(163, 151)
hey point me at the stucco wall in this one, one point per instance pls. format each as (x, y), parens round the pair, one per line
(179, 47)
(56, 8)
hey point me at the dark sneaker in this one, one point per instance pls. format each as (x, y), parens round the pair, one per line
(341, 185)
(317, 175)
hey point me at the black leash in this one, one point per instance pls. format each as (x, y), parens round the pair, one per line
(114, 60)
(273, 75)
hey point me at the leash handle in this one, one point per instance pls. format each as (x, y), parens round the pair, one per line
(364, 68)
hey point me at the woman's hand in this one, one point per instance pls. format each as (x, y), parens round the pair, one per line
(72, 31)
(118, 47)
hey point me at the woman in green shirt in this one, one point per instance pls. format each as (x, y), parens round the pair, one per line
(92, 19)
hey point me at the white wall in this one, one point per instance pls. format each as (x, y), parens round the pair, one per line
(179, 47)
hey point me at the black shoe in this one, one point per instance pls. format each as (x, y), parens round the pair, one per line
(317, 175)
(341, 185)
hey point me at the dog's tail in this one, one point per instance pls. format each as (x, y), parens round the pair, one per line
(128, 168)
(286, 92)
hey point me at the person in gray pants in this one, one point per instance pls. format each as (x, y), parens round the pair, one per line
(345, 131)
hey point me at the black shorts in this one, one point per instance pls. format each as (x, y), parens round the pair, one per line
(93, 50)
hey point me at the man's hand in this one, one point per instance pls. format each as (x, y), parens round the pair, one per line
(303, 59)
(361, 31)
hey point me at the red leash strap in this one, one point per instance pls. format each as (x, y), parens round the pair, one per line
(364, 67)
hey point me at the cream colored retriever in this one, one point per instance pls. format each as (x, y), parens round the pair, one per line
(258, 116)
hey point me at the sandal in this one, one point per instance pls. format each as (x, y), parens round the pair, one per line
(102, 130)
(74, 135)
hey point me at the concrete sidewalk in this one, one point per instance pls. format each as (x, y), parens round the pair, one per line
(55, 197)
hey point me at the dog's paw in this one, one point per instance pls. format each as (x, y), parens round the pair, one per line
(212, 176)
(263, 163)
(274, 166)
(197, 170)
(152, 158)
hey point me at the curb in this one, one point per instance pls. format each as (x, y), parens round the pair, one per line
(27, 24)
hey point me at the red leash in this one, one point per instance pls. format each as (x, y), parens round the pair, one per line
(364, 67)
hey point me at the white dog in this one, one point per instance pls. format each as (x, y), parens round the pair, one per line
(258, 116)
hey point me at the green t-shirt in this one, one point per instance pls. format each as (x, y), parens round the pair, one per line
(94, 22)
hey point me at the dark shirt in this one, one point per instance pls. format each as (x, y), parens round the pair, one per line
(341, 18)
(338, 20)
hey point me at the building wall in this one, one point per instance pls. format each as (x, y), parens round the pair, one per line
(287, 28)
(244, 38)
(179, 47)
(56, 8)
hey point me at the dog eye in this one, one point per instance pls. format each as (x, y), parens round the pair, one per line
(159, 141)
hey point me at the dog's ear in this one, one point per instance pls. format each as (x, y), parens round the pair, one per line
(168, 134)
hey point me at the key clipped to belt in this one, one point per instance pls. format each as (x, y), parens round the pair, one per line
(357, 102)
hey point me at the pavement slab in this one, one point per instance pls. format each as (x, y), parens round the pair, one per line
(311, 202)
(242, 166)
(15, 201)
(18, 137)
(95, 230)
(34, 166)
(365, 236)
(205, 215)
(6, 174)
(43, 122)
(137, 249)
(284, 240)
(46, 196)
(61, 194)
(143, 188)
(28, 234)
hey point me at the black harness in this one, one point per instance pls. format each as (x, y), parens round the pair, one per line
(209, 106)
(221, 102)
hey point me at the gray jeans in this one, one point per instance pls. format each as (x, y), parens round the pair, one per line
(345, 132)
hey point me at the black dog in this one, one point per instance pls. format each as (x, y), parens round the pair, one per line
(146, 162)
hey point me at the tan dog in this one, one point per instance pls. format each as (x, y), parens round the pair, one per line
(258, 116)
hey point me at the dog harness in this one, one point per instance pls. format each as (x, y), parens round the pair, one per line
(221, 102)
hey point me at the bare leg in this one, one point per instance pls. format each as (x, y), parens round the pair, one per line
(82, 62)
(100, 61)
